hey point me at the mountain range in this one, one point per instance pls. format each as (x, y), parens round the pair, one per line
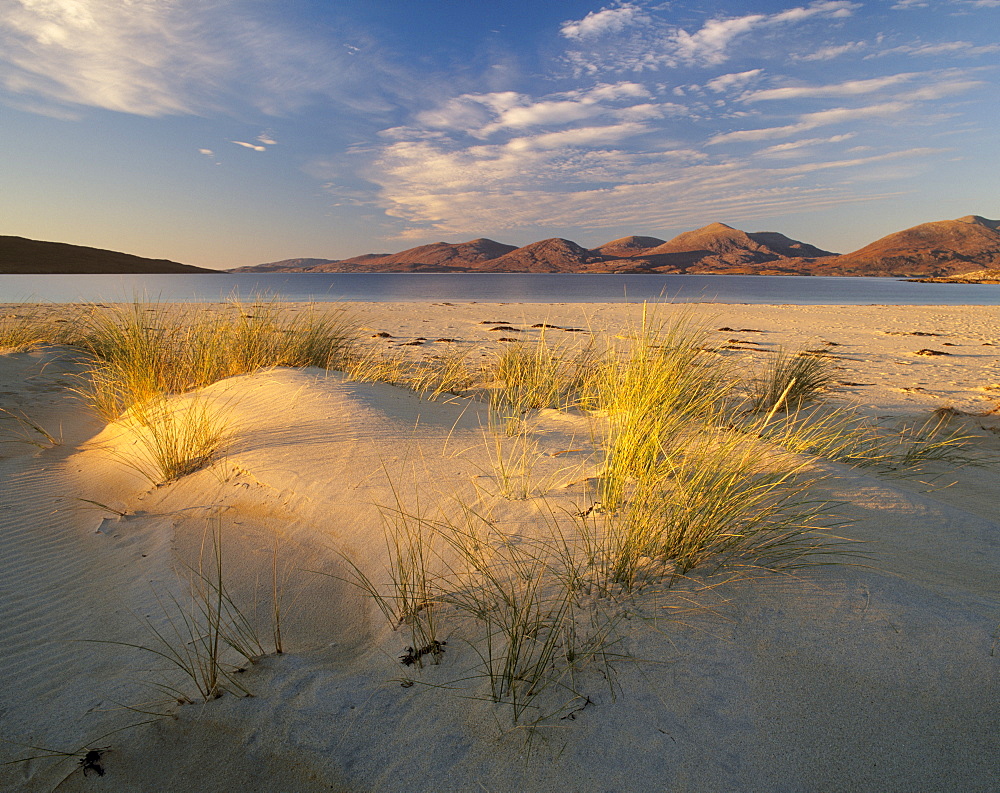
(940, 248)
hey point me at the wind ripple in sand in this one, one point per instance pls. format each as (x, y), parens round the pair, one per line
(49, 604)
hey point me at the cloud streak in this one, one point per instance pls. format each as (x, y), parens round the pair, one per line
(697, 191)
(252, 146)
(155, 58)
(848, 88)
(810, 121)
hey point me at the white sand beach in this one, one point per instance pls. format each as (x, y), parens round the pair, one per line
(878, 672)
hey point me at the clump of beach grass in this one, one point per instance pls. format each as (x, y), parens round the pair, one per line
(409, 599)
(142, 350)
(844, 435)
(449, 373)
(205, 636)
(789, 381)
(535, 632)
(658, 391)
(526, 376)
(720, 500)
(22, 333)
(175, 437)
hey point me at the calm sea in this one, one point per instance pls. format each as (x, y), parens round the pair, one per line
(491, 288)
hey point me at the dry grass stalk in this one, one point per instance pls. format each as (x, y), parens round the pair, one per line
(789, 382)
(176, 439)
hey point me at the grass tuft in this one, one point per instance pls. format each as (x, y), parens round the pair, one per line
(174, 440)
(789, 382)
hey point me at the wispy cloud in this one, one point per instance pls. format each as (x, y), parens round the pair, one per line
(607, 20)
(246, 145)
(847, 88)
(482, 115)
(626, 39)
(794, 147)
(581, 136)
(831, 51)
(729, 82)
(809, 121)
(958, 49)
(206, 152)
(903, 94)
(154, 58)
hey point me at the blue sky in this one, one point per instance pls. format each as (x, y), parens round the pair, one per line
(231, 132)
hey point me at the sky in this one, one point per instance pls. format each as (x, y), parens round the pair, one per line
(224, 133)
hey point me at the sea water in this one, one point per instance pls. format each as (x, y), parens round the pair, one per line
(491, 288)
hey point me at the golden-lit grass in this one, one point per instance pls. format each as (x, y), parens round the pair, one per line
(657, 392)
(140, 350)
(21, 333)
(174, 438)
(789, 381)
(530, 376)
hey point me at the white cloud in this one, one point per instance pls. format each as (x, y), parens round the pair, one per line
(267, 139)
(482, 115)
(581, 136)
(794, 147)
(832, 51)
(206, 152)
(941, 90)
(835, 9)
(170, 57)
(707, 46)
(813, 167)
(546, 113)
(848, 88)
(246, 145)
(808, 121)
(905, 5)
(727, 82)
(599, 23)
(649, 42)
(962, 49)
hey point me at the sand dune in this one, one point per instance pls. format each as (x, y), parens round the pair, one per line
(881, 675)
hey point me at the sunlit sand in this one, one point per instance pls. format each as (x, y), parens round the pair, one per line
(394, 544)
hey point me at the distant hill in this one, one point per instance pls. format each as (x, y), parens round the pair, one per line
(21, 255)
(718, 248)
(436, 257)
(940, 248)
(627, 246)
(284, 266)
(554, 255)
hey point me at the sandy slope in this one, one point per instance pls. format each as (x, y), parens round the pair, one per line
(870, 678)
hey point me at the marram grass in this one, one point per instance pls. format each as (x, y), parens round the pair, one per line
(142, 350)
